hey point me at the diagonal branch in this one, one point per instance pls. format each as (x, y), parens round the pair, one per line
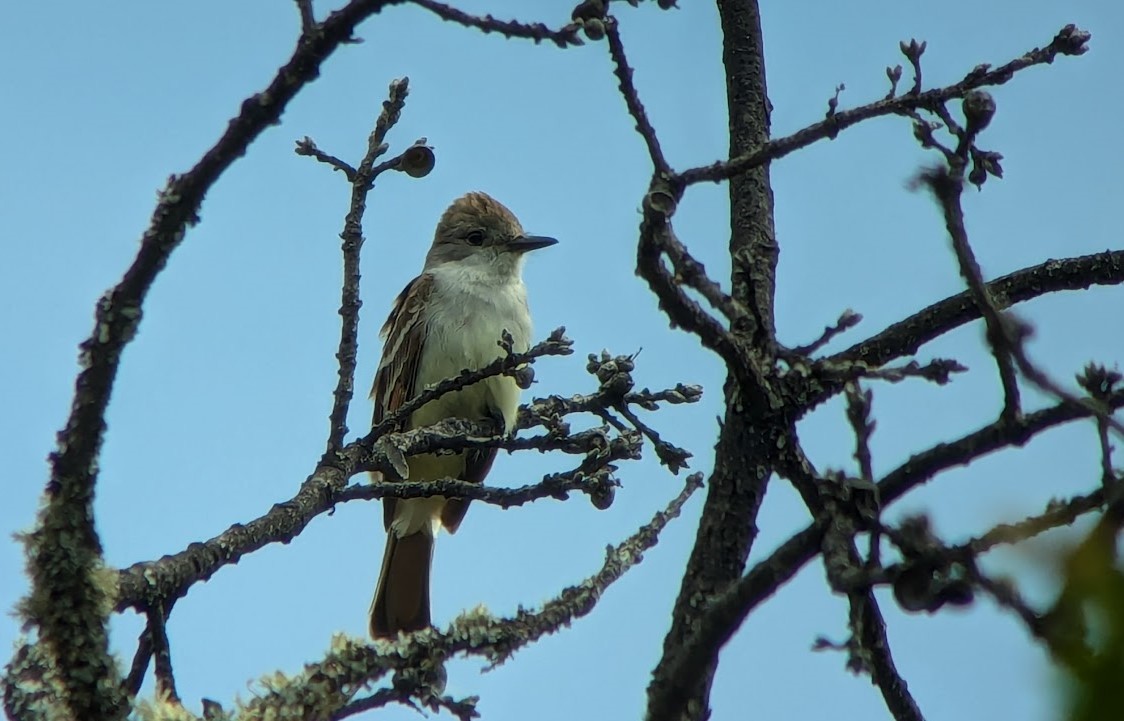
(921, 467)
(1070, 40)
(906, 337)
(722, 616)
(64, 552)
(563, 37)
(623, 72)
(1001, 331)
(1004, 337)
(162, 654)
(323, 689)
(556, 344)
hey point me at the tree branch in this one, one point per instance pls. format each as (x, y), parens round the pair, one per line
(723, 615)
(1070, 40)
(171, 576)
(361, 180)
(324, 688)
(563, 37)
(754, 426)
(64, 551)
(907, 336)
(632, 99)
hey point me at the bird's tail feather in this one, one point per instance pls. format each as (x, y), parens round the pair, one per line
(401, 600)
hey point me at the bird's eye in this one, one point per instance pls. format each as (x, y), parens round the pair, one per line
(475, 237)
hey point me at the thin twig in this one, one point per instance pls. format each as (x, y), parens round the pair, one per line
(1001, 332)
(1057, 514)
(858, 413)
(563, 37)
(308, 19)
(596, 481)
(921, 467)
(847, 319)
(1069, 41)
(656, 236)
(306, 146)
(379, 699)
(139, 668)
(352, 245)
(907, 336)
(172, 576)
(70, 613)
(938, 370)
(162, 654)
(623, 72)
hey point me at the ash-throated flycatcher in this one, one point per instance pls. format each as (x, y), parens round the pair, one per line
(448, 319)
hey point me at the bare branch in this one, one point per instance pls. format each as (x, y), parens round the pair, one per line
(870, 634)
(308, 19)
(1057, 514)
(1003, 333)
(162, 655)
(1005, 337)
(921, 467)
(306, 146)
(907, 336)
(66, 548)
(1070, 40)
(463, 709)
(563, 37)
(632, 99)
(847, 319)
(352, 237)
(170, 577)
(139, 668)
(656, 236)
(938, 370)
(722, 617)
(597, 484)
(324, 688)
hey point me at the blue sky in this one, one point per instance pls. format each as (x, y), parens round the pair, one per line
(222, 401)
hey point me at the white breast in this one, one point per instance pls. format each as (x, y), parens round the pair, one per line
(471, 308)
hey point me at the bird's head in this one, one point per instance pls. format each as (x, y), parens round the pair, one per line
(479, 230)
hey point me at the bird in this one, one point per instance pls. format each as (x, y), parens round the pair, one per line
(448, 319)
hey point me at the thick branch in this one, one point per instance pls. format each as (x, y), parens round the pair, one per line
(722, 616)
(754, 424)
(906, 337)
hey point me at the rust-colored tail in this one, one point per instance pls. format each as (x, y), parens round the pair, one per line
(401, 600)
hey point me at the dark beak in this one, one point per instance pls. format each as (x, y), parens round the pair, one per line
(526, 243)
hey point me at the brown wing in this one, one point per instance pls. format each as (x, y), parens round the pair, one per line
(477, 463)
(403, 337)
